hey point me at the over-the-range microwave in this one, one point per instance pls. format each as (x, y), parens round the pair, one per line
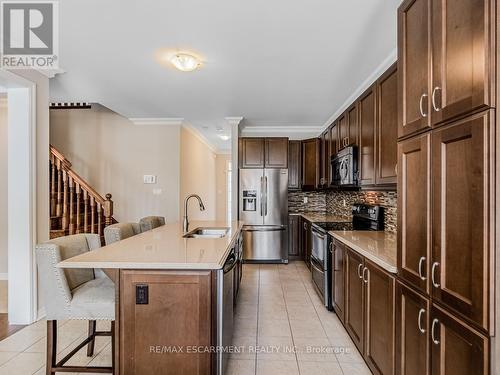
(344, 167)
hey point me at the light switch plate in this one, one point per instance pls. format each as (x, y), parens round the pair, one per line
(149, 179)
(306, 200)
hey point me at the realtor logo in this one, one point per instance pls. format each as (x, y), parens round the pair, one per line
(29, 34)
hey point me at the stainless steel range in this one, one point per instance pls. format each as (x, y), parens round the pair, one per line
(364, 217)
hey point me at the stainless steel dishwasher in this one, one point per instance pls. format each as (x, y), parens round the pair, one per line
(225, 310)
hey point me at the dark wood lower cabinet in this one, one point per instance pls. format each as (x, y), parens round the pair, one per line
(412, 332)
(354, 297)
(457, 348)
(379, 319)
(294, 248)
(338, 287)
(178, 314)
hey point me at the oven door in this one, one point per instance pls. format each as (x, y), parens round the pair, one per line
(318, 244)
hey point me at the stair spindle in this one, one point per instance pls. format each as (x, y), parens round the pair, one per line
(92, 214)
(78, 208)
(59, 189)
(71, 193)
(53, 196)
(85, 212)
(99, 219)
(65, 202)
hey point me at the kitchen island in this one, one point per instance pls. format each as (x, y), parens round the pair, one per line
(174, 297)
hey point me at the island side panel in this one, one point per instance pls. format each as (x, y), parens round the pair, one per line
(159, 337)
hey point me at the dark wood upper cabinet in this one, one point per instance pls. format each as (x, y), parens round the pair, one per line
(179, 314)
(311, 163)
(462, 61)
(294, 249)
(414, 247)
(338, 279)
(413, 66)
(462, 197)
(387, 128)
(354, 298)
(263, 152)
(251, 152)
(379, 319)
(325, 162)
(456, 347)
(343, 125)
(412, 332)
(294, 164)
(334, 139)
(276, 152)
(367, 125)
(352, 119)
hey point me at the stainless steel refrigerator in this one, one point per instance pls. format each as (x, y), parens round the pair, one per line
(263, 207)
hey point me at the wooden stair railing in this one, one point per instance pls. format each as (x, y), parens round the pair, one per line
(75, 207)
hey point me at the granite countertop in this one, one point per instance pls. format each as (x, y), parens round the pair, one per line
(323, 217)
(378, 246)
(162, 248)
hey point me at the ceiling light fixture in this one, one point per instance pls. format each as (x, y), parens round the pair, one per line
(185, 62)
(224, 137)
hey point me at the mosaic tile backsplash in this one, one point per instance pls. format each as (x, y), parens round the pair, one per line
(332, 202)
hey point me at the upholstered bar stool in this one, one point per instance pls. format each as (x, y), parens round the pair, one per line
(151, 222)
(120, 231)
(82, 294)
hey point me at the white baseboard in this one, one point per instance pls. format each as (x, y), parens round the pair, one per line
(4, 276)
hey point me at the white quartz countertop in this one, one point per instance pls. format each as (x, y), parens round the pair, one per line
(162, 248)
(378, 246)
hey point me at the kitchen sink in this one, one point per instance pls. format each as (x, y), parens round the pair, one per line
(204, 232)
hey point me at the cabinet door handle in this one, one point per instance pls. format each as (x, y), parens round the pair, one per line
(420, 264)
(433, 275)
(434, 105)
(359, 271)
(433, 336)
(420, 314)
(305, 226)
(421, 105)
(396, 169)
(331, 247)
(367, 275)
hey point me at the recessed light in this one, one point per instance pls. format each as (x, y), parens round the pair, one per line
(224, 137)
(185, 62)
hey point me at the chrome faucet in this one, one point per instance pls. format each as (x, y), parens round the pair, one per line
(185, 223)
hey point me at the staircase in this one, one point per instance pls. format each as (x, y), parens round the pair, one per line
(75, 207)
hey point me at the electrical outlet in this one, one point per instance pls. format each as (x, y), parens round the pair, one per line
(343, 202)
(306, 200)
(149, 179)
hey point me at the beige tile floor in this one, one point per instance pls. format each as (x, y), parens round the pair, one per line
(281, 328)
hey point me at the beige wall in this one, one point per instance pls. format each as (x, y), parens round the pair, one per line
(221, 163)
(113, 154)
(3, 184)
(198, 175)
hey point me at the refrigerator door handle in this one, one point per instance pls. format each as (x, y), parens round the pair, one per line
(262, 196)
(265, 196)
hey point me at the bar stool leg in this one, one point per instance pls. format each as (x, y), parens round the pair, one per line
(91, 345)
(51, 346)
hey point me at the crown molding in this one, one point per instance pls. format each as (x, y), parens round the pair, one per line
(391, 59)
(234, 121)
(195, 132)
(168, 121)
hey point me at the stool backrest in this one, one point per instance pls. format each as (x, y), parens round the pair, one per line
(151, 222)
(57, 283)
(120, 231)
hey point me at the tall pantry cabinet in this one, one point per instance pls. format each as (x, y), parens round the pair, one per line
(446, 186)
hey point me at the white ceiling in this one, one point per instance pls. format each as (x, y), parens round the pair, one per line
(277, 63)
